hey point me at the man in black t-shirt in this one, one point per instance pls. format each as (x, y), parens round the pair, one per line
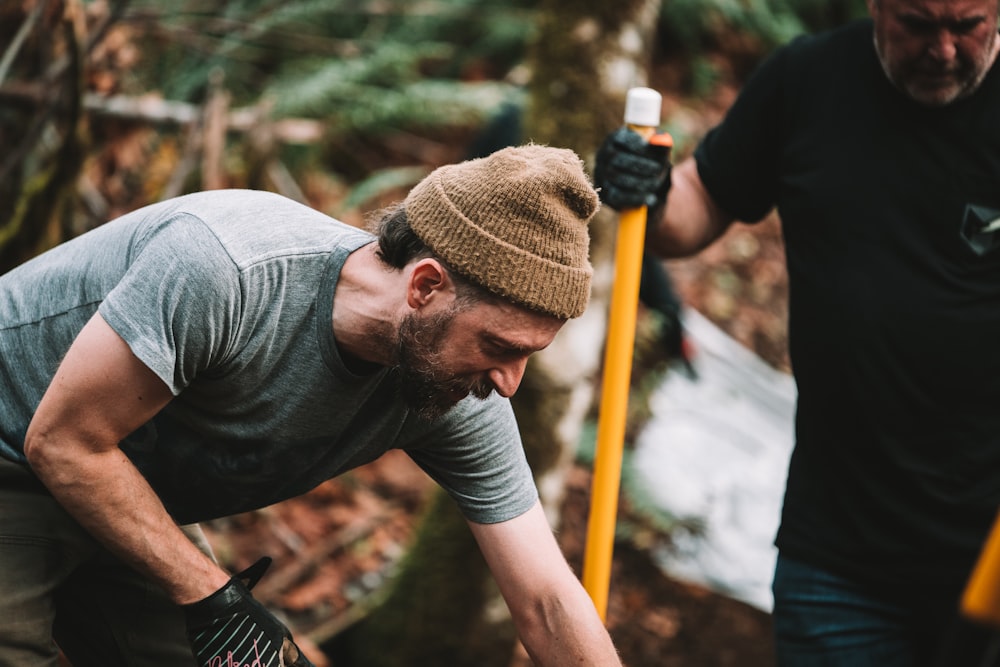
(879, 144)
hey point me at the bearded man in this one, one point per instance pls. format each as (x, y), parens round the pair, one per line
(226, 350)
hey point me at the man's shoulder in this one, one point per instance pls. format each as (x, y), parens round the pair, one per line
(839, 61)
(256, 226)
(813, 55)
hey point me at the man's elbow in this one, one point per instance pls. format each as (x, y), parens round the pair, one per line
(37, 447)
(46, 457)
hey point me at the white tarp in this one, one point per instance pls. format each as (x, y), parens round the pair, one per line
(716, 451)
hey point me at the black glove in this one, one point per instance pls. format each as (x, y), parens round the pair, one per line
(230, 627)
(630, 172)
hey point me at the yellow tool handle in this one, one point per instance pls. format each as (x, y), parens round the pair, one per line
(981, 599)
(616, 377)
(614, 408)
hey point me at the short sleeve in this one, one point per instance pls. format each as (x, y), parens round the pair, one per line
(738, 160)
(476, 455)
(178, 304)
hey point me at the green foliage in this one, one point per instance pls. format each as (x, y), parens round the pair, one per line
(698, 25)
(382, 181)
(365, 66)
(384, 91)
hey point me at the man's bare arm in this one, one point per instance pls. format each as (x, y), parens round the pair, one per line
(101, 393)
(555, 617)
(690, 220)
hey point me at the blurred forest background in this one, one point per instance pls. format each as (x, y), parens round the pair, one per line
(108, 105)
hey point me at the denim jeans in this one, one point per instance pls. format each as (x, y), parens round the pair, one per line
(58, 585)
(825, 620)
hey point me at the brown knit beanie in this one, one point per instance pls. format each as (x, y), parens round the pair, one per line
(515, 223)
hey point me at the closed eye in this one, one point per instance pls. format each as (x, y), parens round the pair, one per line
(921, 26)
(503, 349)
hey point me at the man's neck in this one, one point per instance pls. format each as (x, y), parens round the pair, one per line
(364, 308)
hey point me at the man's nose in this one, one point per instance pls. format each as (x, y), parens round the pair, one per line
(507, 377)
(943, 45)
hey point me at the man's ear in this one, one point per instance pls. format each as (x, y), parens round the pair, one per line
(429, 281)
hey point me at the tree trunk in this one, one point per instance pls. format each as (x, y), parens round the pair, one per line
(587, 57)
(443, 607)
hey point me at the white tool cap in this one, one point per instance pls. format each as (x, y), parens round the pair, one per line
(642, 107)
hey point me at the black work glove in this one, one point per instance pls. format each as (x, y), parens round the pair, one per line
(630, 172)
(230, 627)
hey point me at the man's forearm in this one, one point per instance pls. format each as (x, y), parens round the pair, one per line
(568, 631)
(100, 393)
(555, 617)
(690, 220)
(111, 500)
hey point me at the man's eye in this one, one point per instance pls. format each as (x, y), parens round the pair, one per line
(966, 26)
(918, 26)
(501, 351)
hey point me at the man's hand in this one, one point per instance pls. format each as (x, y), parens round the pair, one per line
(631, 172)
(230, 627)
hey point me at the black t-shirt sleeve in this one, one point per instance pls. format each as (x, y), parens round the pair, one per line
(738, 160)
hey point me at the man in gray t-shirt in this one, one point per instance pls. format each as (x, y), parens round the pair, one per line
(226, 350)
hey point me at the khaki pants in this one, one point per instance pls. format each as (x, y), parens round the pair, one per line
(58, 586)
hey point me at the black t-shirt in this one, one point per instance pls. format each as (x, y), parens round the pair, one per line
(894, 315)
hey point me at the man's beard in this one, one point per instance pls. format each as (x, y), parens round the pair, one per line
(936, 85)
(426, 388)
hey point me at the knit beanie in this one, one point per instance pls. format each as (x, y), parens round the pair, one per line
(515, 223)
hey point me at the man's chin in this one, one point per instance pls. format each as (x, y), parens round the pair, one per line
(934, 97)
(937, 91)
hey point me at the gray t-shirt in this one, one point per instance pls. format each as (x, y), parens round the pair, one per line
(227, 296)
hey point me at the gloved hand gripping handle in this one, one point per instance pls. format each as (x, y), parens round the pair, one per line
(230, 627)
(633, 170)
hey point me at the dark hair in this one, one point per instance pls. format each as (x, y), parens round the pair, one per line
(398, 245)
